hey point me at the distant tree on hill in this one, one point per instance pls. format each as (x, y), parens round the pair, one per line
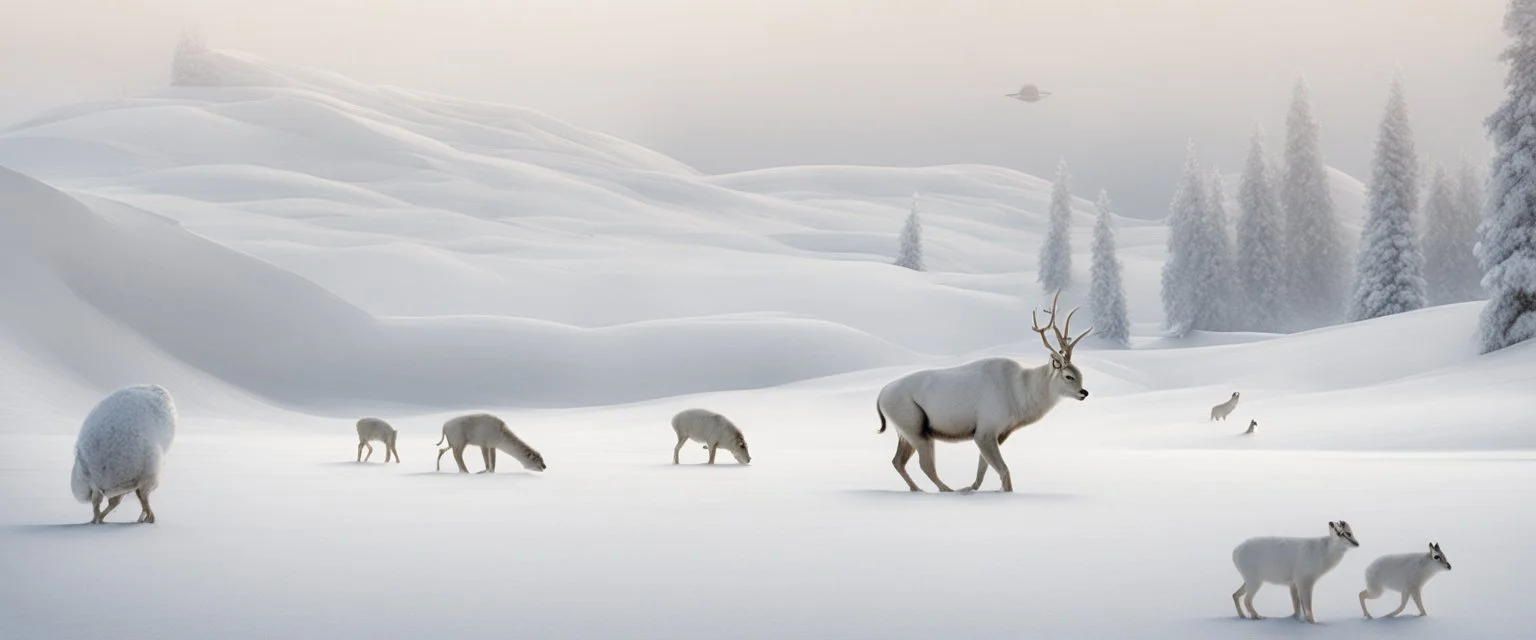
(1260, 245)
(189, 65)
(1451, 272)
(1056, 252)
(910, 254)
(1316, 263)
(1106, 295)
(1192, 295)
(1389, 272)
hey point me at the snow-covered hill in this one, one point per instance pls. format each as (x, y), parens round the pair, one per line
(293, 249)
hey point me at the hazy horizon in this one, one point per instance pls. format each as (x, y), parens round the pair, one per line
(741, 84)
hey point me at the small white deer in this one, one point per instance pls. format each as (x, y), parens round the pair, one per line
(1297, 563)
(1220, 411)
(1404, 573)
(376, 430)
(489, 433)
(983, 401)
(712, 429)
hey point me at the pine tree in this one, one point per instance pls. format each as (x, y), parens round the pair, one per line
(1389, 271)
(910, 255)
(1056, 253)
(1105, 294)
(1260, 245)
(1470, 189)
(1451, 272)
(189, 67)
(1220, 283)
(1186, 303)
(1507, 249)
(1314, 240)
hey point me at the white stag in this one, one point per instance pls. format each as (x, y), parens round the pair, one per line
(984, 401)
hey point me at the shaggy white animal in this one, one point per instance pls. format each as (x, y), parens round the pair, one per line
(376, 430)
(489, 433)
(983, 401)
(1220, 411)
(1294, 562)
(712, 429)
(121, 447)
(1404, 573)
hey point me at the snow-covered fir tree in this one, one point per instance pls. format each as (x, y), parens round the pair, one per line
(1389, 270)
(1507, 247)
(1187, 302)
(910, 254)
(1220, 273)
(189, 65)
(1260, 245)
(1451, 273)
(1106, 296)
(1314, 240)
(1056, 253)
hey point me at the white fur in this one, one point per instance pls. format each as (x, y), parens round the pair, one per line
(983, 401)
(1405, 573)
(376, 430)
(1220, 411)
(1297, 563)
(489, 433)
(712, 429)
(121, 448)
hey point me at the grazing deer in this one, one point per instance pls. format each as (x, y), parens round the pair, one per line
(712, 429)
(983, 401)
(1220, 411)
(1404, 573)
(489, 433)
(376, 430)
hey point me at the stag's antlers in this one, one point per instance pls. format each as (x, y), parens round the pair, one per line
(1066, 346)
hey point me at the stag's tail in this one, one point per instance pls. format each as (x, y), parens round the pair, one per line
(880, 413)
(440, 440)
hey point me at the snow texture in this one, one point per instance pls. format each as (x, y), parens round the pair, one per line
(1261, 266)
(1507, 249)
(291, 250)
(1318, 261)
(1056, 253)
(123, 443)
(910, 253)
(1389, 271)
(1106, 293)
(1451, 272)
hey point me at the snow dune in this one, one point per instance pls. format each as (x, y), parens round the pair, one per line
(295, 249)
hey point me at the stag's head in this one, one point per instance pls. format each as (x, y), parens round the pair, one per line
(1066, 379)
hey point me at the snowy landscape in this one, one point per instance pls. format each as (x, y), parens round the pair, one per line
(286, 250)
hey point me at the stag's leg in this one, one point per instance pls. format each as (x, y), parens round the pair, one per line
(904, 453)
(1418, 601)
(1366, 595)
(395, 451)
(711, 454)
(1400, 606)
(440, 453)
(1237, 603)
(981, 473)
(95, 508)
(1249, 590)
(360, 452)
(992, 455)
(681, 440)
(370, 453)
(493, 459)
(146, 515)
(1295, 602)
(458, 456)
(112, 504)
(925, 462)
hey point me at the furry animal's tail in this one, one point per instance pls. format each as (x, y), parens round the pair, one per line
(440, 440)
(882, 416)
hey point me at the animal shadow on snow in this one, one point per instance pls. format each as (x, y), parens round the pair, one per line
(1285, 626)
(983, 495)
(80, 528)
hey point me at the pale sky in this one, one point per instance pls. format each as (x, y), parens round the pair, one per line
(728, 85)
